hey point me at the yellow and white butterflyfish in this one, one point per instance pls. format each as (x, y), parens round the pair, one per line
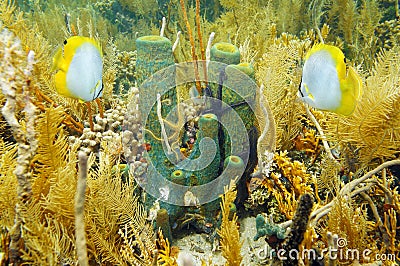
(80, 69)
(326, 82)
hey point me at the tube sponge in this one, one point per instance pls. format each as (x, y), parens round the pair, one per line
(226, 53)
(153, 53)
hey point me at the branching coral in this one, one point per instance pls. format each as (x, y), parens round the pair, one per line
(33, 31)
(354, 203)
(14, 86)
(80, 210)
(288, 14)
(343, 12)
(300, 223)
(351, 223)
(48, 220)
(111, 204)
(352, 189)
(287, 180)
(141, 8)
(290, 181)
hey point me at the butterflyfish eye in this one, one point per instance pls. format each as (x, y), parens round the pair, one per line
(65, 42)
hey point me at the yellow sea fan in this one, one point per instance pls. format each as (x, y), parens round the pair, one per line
(296, 21)
(245, 21)
(167, 255)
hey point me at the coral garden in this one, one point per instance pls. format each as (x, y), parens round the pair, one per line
(199, 150)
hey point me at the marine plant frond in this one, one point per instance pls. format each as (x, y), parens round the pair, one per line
(329, 178)
(166, 253)
(349, 222)
(52, 148)
(60, 196)
(8, 183)
(374, 127)
(111, 206)
(119, 238)
(369, 19)
(13, 19)
(47, 239)
(229, 231)
(107, 187)
(279, 71)
(112, 66)
(7, 9)
(103, 240)
(138, 245)
(290, 16)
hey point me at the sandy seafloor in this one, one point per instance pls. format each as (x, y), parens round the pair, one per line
(200, 248)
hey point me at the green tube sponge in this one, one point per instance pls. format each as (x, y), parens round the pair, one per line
(178, 177)
(208, 128)
(208, 125)
(153, 53)
(226, 53)
(236, 82)
(232, 165)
